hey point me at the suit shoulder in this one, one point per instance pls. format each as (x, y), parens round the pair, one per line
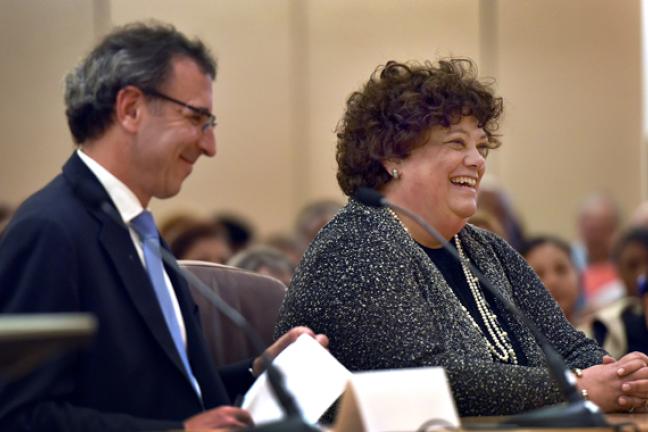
(55, 201)
(53, 212)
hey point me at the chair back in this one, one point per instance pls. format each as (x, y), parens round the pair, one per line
(256, 297)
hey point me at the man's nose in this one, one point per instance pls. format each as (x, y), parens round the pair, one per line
(208, 143)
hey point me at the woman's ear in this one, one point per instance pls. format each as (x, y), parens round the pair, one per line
(392, 166)
(129, 107)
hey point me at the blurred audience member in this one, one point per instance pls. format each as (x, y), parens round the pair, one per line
(484, 219)
(313, 217)
(172, 225)
(201, 240)
(640, 216)
(630, 255)
(494, 200)
(264, 260)
(551, 259)
(240, 232)
(288, 245)
(598, 222)
(620, 327)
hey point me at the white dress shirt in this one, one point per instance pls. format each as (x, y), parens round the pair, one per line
(129, 207)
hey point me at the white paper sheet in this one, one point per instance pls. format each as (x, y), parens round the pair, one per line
(314, 377)
(403, 399)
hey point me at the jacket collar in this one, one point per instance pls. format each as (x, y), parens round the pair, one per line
(114, 238)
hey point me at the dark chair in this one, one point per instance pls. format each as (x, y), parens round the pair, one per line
(257, 297)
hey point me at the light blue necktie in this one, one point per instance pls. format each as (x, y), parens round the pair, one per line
(145, 228)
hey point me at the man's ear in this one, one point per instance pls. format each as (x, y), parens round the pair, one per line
(129, 106)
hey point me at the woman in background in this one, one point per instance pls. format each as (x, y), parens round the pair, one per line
(550, 258)
(388, 296)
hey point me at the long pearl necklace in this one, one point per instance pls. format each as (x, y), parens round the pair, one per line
(400, 222)
(501, 348)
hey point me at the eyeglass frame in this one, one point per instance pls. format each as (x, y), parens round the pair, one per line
(211, 118)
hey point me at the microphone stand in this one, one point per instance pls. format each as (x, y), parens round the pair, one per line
(293, 422)
(576, 412)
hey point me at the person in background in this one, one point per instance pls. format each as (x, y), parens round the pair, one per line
(599, 220)
(264, 260)
(550, 258)
(312, 217)
(639, 217)
(171, 225)
(620, 327)
(494, 200)
(386, 293)
(287, 244)
(484, 219)
(240, 232)
(202, 240)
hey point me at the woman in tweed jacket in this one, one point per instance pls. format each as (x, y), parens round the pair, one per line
(383, 291)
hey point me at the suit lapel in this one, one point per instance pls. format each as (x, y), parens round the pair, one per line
(115, 239)
(117, 242)
(198, 357)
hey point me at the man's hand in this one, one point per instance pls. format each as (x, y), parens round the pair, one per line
(224, 417)
(280, 344)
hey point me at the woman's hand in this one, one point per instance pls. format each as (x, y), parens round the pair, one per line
(618, 385)
(633, 370)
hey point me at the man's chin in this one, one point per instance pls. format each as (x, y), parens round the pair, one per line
(168, 193)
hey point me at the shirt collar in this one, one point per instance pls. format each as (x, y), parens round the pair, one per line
(125, 200)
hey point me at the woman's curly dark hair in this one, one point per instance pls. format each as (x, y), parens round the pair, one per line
(394, 111)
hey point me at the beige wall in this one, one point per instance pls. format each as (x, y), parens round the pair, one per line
(39, 41)
(569, 72)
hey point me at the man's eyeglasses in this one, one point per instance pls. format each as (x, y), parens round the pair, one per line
(207, 119)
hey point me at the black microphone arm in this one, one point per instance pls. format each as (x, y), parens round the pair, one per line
(577, 412)
(275, 376)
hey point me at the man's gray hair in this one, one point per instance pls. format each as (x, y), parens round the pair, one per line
(137, 54)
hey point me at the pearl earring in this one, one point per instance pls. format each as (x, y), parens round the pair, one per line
(395, 174)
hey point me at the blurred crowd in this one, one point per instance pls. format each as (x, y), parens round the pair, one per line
(600, 280)
(228, 238)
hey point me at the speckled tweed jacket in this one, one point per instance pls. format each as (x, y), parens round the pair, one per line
(367, 285)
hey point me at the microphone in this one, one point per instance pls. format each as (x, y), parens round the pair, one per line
(576, 412)
(294, 420)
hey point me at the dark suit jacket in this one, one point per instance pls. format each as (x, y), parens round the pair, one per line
(63, 253)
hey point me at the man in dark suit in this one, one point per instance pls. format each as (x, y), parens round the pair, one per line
(139, 108)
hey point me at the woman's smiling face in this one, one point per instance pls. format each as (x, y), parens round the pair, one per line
(440, 179)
